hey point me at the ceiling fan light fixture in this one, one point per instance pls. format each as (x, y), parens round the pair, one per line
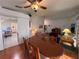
(35, 6)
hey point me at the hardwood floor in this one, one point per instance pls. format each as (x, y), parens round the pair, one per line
(18, 52)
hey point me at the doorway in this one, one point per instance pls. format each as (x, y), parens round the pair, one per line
(9, 31)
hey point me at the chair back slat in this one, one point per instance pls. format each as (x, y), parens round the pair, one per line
(32, 51)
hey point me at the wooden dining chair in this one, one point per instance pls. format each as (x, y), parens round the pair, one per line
(31, 51)
(26, 53)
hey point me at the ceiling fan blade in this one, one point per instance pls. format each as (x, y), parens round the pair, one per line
(19, 6)
(39, 0)
(27, 6)
(43, 7)
(30, 1)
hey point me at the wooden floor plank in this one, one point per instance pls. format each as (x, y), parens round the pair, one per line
(18, 52)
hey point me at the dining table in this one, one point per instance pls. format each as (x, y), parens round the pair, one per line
(46, 48)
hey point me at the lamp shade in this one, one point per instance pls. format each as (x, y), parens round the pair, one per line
(66, 30)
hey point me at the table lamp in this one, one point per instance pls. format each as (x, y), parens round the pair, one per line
(66, 31)
(66, 38)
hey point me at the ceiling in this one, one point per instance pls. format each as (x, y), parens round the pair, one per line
(54, 7)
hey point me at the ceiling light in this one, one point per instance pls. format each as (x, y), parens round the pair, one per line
(35, 6)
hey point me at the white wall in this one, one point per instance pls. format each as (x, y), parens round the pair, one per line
(7, 23)
(22, 19)
(60, 23)
(10, 13)
(23, 23)
(1, 39)
(78, 31)
(37, 21)
(23, 28)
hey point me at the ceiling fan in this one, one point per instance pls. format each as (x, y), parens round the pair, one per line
(35, 4)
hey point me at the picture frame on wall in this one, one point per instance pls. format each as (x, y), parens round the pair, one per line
(41, 26)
